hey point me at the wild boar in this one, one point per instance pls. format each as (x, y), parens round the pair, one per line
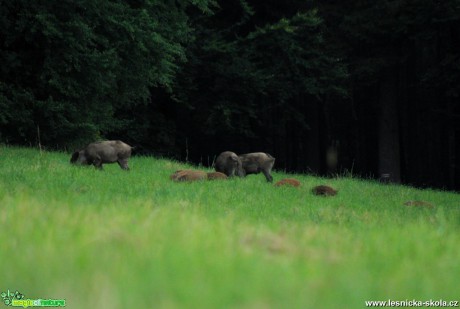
(216, 176)
(256, 162)
(288, 182)
(188, 175)
(324, 190)
(103, 152)
(229, 164)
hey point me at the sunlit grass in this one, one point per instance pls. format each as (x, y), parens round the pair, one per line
(117, 239)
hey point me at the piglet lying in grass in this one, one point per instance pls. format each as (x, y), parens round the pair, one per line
(291, 182)
(324, 190)
(188, 175)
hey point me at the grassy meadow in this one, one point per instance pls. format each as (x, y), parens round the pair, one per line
(116, 239)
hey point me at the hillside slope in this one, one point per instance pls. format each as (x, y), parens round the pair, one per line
(116, 239)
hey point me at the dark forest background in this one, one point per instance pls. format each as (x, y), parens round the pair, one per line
(362, 87)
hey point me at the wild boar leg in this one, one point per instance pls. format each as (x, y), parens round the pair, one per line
(267, 175)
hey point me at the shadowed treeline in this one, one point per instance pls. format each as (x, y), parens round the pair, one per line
(324, 86)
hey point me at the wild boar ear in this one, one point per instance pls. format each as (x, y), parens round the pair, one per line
(74, 157)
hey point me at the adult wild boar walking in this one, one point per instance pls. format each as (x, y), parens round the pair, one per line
(103, 152)
(229, 164)
(256, 162)
(251, 163)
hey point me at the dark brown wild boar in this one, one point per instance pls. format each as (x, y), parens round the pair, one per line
(99, 153)
(256, 162)
(229, 164)
(324, 190)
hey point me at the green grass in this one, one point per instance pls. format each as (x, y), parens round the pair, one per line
(117, 239)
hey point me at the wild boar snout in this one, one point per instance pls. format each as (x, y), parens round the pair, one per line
(229, 164)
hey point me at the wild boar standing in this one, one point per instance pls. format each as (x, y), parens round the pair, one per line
(229, 164)
(256, 162)
(99, 153)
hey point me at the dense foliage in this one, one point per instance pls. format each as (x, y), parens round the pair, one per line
(69, 66)
(374, 82)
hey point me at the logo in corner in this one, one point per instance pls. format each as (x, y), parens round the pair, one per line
(16, 299)
(8, 297)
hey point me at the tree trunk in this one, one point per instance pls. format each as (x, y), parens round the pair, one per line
(389, 152)
(313, 142)
(451, 143)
